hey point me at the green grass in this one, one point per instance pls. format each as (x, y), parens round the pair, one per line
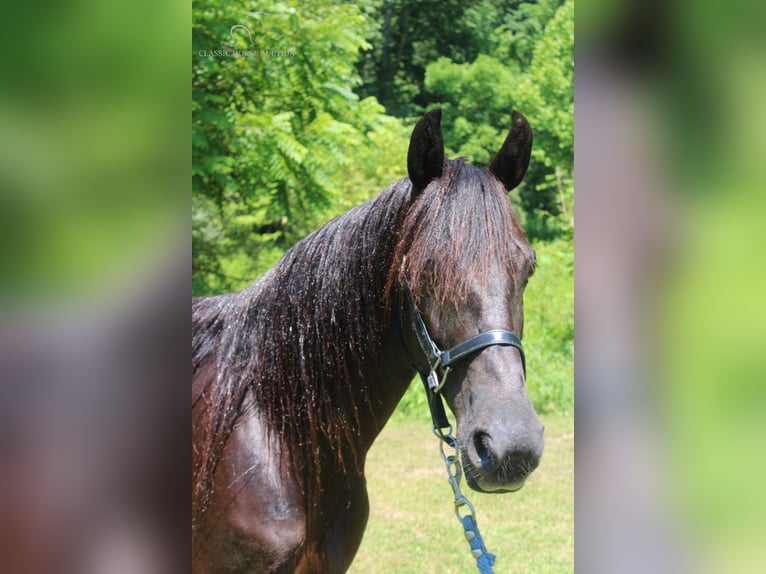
(412, 526)
(549, 329)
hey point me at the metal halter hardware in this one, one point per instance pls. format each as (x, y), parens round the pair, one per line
(437, 359)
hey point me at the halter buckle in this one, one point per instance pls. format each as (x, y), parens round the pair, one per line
(433, 379)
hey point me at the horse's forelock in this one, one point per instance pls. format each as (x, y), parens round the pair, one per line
(460, 230)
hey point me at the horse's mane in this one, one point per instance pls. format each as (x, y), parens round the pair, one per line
(298, 338)
(459, 231)
(302, 338)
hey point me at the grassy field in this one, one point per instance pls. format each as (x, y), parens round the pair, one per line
(412, 526)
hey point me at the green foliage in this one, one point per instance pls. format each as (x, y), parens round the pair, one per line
(410, 34)
(477, 100)
(547, 87)
(276, 128)
(281, 141)
(531, 69)
(521, 27)
(549, 328)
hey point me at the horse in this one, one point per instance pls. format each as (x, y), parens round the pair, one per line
(295, 376)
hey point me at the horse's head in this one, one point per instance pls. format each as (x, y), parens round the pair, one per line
(464, 258)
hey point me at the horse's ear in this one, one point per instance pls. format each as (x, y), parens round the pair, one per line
(511, 162)
(425, 158)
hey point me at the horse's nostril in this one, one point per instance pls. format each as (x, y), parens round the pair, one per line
(481, 442)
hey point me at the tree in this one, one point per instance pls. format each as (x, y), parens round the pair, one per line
(538, 82)
(275, 128)
(287, 128)
(548, 88)
(410, 35)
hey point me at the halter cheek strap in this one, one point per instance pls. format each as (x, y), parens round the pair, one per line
(437, 359)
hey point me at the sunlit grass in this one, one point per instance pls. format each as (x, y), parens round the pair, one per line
(412, 526)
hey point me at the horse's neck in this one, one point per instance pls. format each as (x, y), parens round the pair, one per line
(351, 284)
(385, 378)
(388, 381)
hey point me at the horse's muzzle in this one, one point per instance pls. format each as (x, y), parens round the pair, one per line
(497, 466)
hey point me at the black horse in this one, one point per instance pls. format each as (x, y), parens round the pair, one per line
(294, 377)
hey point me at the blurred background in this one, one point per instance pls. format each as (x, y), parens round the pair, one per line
(669, 287)
(94, 260)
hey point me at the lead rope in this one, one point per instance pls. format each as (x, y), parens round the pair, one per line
(435, 358)
(484, 558)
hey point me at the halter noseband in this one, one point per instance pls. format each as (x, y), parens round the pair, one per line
(436, 358)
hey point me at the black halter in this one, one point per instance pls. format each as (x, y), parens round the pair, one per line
(437, 359)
